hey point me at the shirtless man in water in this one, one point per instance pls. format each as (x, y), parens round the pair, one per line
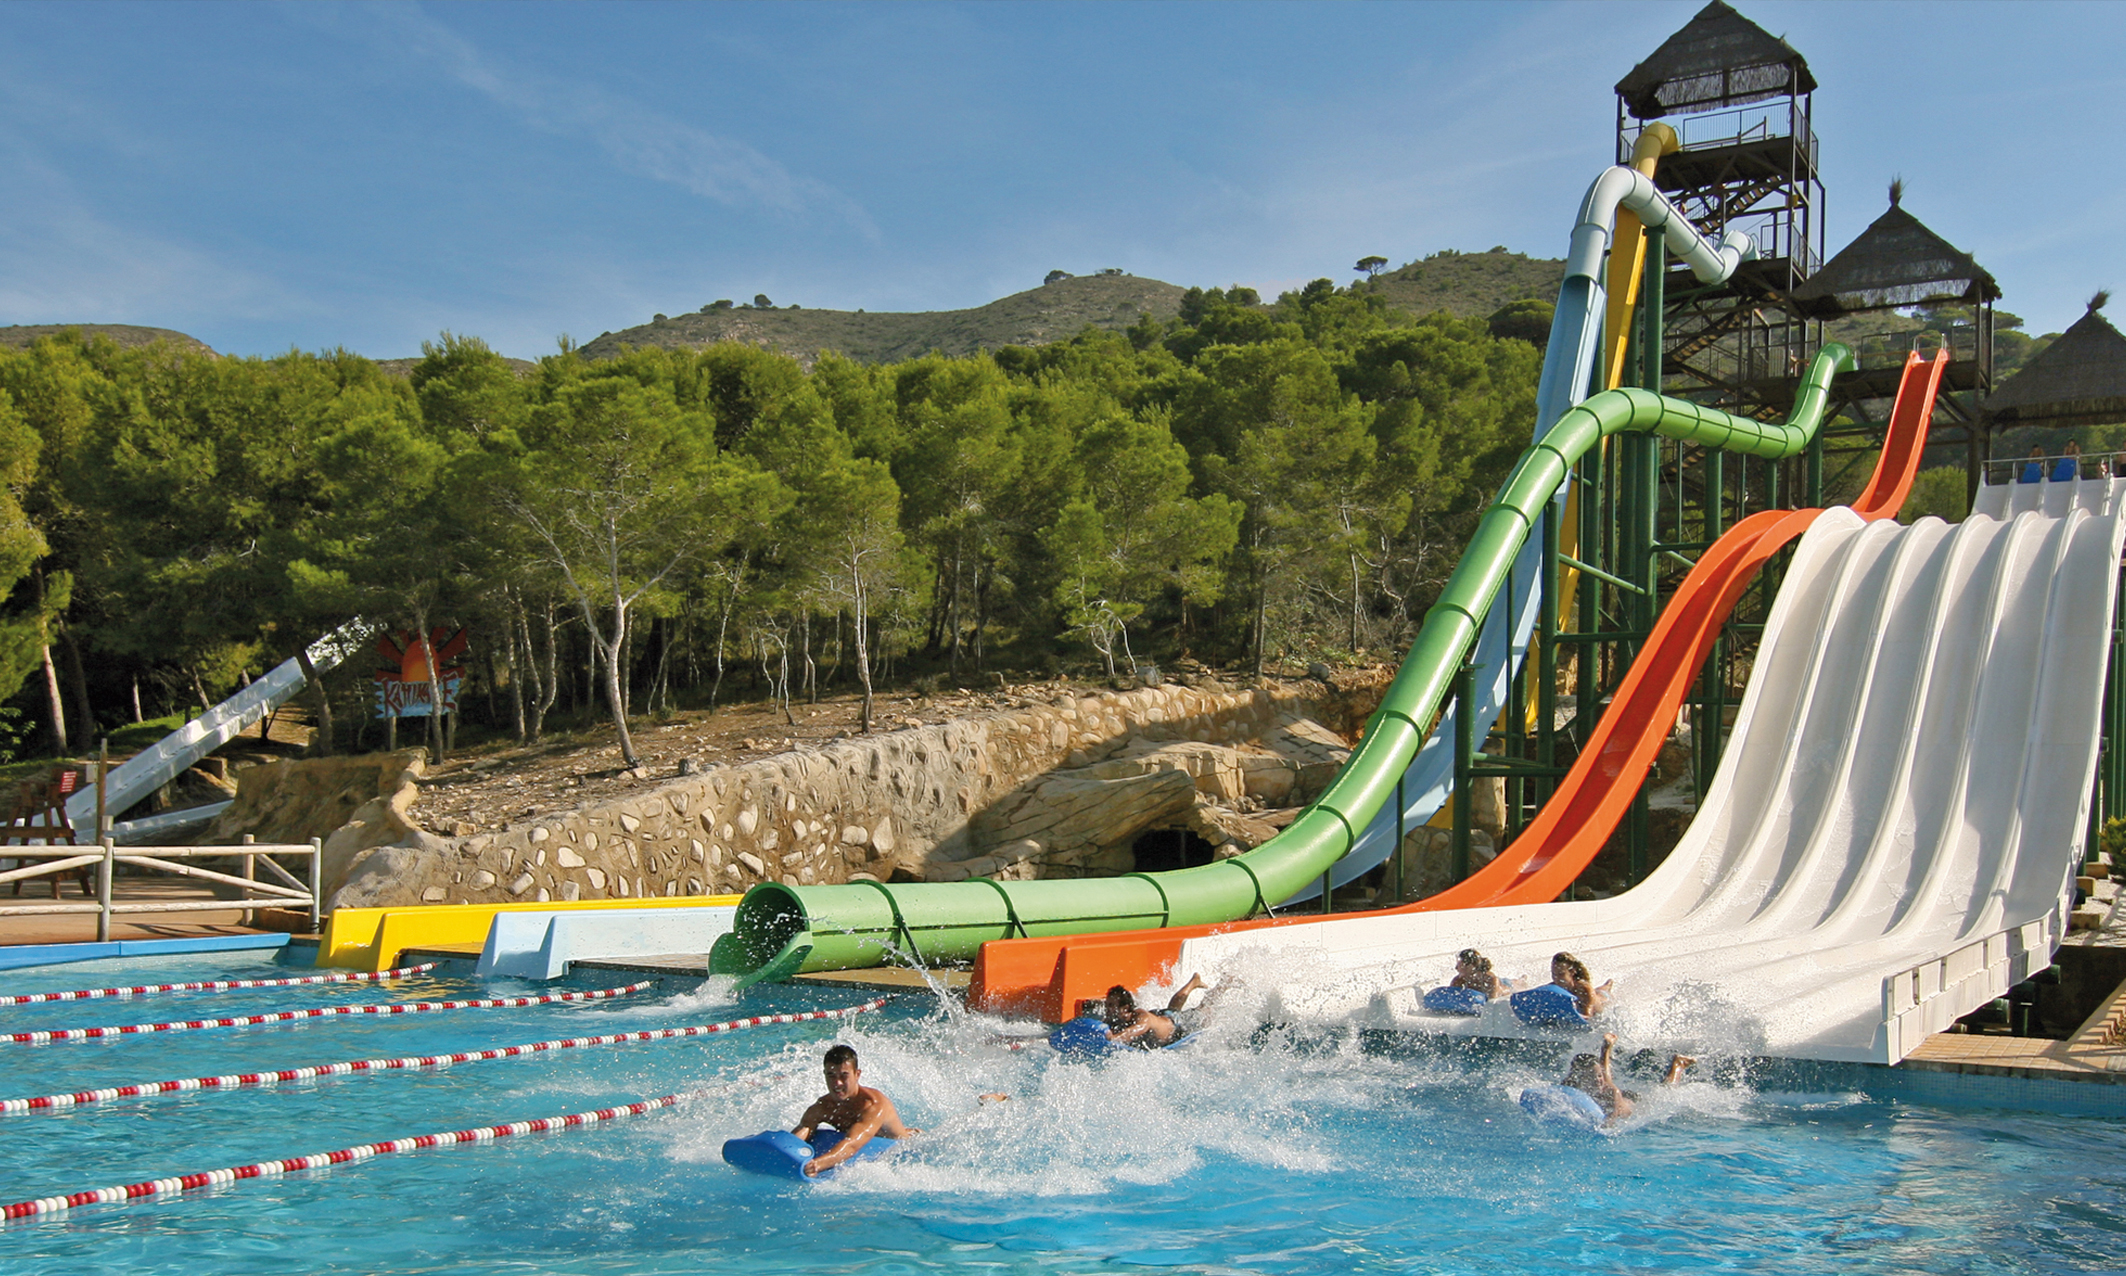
(858, 1111)
(1130, 1024)
(1590, 1075)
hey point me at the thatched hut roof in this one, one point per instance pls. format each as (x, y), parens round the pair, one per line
(1896, 261)
(2080, 379)
(1719, 59)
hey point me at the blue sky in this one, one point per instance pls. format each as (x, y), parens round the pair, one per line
(366, 175)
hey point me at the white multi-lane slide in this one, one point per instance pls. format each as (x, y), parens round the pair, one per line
(1891, 837)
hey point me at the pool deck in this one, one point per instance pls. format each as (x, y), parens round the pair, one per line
(76, 928)
(696, 966)
(2096, 1052)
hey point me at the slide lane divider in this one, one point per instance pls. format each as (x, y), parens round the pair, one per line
(240, 1080)
(315, 1012)
(216, 985)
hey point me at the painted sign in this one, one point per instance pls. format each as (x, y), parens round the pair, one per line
(402, 686)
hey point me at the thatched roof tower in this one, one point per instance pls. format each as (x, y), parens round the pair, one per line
(2079, 379)
(1719, 59)
(1896, 261)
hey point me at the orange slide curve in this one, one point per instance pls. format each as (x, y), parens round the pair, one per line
(1049, 976)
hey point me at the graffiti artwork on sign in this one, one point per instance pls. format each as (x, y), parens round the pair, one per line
(402, 686)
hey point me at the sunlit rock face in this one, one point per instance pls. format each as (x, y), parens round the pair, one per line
(1055, 789)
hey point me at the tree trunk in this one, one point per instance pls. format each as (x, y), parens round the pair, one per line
(782, 670)
(54, 705)
(438, 749)
(137, 715)
(834, 671)
(546, 683)
(614, 653)
(661, 684)
(494, 715)
(863, 652)
(811, 669)
(528, 727)
(953, 658)
(198, 688)
(1354, 602)
(1262, 608)
(723, 630)
(78, 684)
(321, 739)
(516, 683)
(984, 574)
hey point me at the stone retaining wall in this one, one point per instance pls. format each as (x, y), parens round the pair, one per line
(935, 802)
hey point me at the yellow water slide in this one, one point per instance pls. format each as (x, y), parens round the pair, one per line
(1627, 274)
(372, 938)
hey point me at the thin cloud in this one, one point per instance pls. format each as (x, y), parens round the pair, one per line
(639, 140)
(62, 262)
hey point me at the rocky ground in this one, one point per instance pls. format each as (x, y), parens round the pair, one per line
(490, 783)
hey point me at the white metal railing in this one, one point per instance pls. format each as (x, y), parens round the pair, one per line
(2004, 470)
(288, 892)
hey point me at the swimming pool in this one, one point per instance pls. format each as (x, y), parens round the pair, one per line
(1247, 1152)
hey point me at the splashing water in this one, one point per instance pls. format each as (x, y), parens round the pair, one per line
(1263, 1149)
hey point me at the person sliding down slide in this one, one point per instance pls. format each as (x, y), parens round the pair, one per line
(1473, 987)
(1569, 1000)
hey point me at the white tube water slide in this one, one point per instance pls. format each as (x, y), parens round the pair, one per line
(1569, 369)
(1890, 840)
(150, 769)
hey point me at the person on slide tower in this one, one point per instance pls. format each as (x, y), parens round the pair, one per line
(858, 1111)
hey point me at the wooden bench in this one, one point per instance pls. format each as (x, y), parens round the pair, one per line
(38, 814)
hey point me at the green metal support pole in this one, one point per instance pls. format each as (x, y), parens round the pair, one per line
(1546, 693)
(1464, 746)
(1815, 463)
(1587, 675)
(1644, 567)
(1516, 745)
(1705, 728)
(1399, 836)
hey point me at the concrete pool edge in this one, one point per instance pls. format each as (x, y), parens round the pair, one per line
(22, 956)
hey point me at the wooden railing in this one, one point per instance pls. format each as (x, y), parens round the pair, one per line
(289, 892)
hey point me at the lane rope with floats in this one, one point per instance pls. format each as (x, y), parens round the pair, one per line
(217, 985)
(315, 1012)
(152, 1189)
(355, 1067)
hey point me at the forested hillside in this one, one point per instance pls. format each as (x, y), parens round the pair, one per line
(1465, 285)
(1237, 483)
(1062, 308)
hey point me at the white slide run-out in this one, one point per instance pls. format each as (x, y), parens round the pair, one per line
(1889, 842)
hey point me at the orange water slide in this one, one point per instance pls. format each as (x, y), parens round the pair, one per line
(1049, 976)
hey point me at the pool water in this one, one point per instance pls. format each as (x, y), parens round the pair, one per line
(1246, 1152)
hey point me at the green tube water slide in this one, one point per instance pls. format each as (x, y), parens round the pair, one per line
(786, 930)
